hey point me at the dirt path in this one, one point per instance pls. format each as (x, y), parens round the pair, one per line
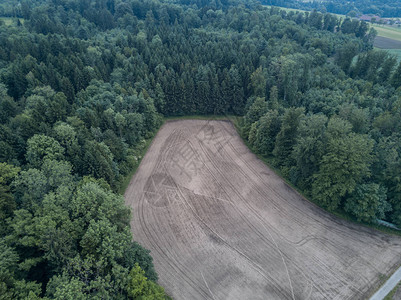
(222, 225)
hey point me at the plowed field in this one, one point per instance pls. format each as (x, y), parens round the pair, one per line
(222, 225)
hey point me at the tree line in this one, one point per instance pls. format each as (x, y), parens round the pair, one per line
(85, 83)
(383, 8)
(338, 140)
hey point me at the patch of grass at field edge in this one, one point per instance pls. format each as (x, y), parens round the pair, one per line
(388, 31)
(382, 280)
(391, 294)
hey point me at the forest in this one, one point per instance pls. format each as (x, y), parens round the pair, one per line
(383, 8)
(85, 84)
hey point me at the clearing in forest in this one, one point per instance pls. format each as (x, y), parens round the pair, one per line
(222, 225)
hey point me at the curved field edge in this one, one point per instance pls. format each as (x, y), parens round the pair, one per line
(235, 120)
(338, 213)
(390, 295)
(140, 152)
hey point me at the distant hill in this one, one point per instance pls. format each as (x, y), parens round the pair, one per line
(383, 8)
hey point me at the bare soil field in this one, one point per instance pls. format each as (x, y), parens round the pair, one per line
(222, 225)
(386, 43)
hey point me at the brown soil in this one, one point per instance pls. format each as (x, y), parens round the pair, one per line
(222, 225)
(386, 43)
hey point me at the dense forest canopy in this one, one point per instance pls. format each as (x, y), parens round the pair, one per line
(85, 83)
(383, 8)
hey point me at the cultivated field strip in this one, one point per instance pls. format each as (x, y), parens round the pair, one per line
(222, 225)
